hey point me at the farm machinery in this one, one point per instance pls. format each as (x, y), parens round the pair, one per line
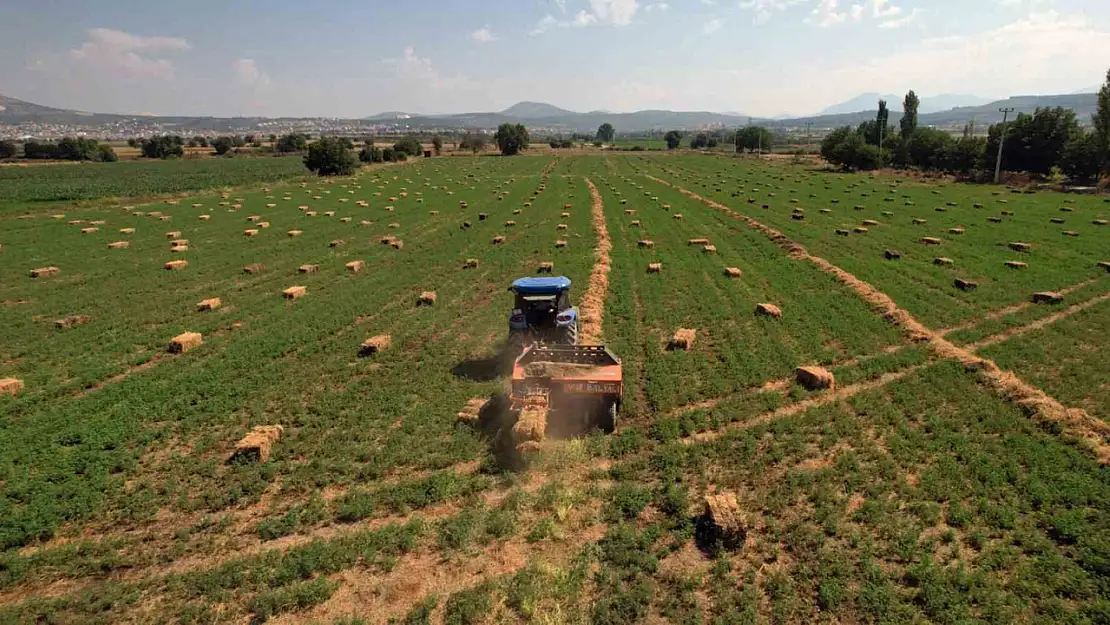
(558, 386)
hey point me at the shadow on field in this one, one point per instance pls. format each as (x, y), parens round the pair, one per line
(487, 368)
(495, 422)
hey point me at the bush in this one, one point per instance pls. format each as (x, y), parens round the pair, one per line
(848, 150)
(330, 156)
(221, 145)
(389, 155)
(163, 147)
(1081, 158)
(7, 149)
(409, 145)
(106, 154)
(370, 154)
(294, 142)
(36, 150)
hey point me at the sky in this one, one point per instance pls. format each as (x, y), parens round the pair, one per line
(354, 58)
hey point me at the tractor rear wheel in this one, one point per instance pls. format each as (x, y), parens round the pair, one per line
(607, 419)
(570, 334)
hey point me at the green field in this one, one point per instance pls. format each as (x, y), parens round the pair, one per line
(913, 492)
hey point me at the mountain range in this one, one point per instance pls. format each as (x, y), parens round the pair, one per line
(940, 111)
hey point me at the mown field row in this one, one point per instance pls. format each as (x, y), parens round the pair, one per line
(911, 492)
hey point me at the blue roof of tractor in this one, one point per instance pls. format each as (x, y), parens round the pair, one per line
(540, 286)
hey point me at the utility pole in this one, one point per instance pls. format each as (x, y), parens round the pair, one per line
(1001, 140)
(808, 126)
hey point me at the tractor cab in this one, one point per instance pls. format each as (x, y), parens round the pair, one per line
(542, 312)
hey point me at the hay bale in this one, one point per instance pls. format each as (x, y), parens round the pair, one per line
(545, 267)
(860, 230)
(815, 378)
(397, 244)
(709, 249)
(337, 243)
(888, 214)
(250, 232)
(531, 425)
(175, 265)
(329, 213)
(387, 239)
(678, 215)
(263, 224)
(919, 221)
(179, 248)
(1105, 264)
(955, 231)
(842, 232)
(471, 411)
(892, 254)
(732, 272)
(994, 220)
(1065, 209)
(510, 223)
(1048, 297)
(355, 266)
(798, 217)
(1071, 233)
(177, 242)
(427, 298)
(119, 245)
(824, 210)
(256, 268)
(294, 292)
(127, 231)
(655, 267)
(1099, 222)
(253, 218)
(942, 261)
(1013, 264)
(71, 321)
(635, 223)
(310, 213)
(630, 211)
(768, 310)
(257, 444)
(434, 213)
(173, 235)
(697, 241)
(498, 240)
(184, 342)
(482, 216)
(394, 225)
(930, 240)
(870, 222)
(470, 263)
(683, 339)
(374, 344)
(11, 386)
(561, 227)
(308, 268)
(560, 243)
(1018, 246)
(645, 243)
(89, 230)
(965, 285)
(722, 523)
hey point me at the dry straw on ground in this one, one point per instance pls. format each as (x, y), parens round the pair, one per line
(768, 310)
(256, 446)
(815, 378)
(683, 339)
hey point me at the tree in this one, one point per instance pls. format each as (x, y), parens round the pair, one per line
(36, 150)
(965, 155)
(848, 150)
(437, 144)
(1034, 143)
(475, 142)
(106, 154)
(193, 142)
(163, 147)
(293, 142)
(77, 149)
(388, 155)
(370, 154)
(606, 132)
(134, 143)
(409, 145)
(700, 141)
(1101, 121)
(673, 139)
(752, 138)
(1081, 159)
(909, 114)
(8, 149)
(202, 142)
(928, 148)
(511, 138)
(221, 145)
(330, 157)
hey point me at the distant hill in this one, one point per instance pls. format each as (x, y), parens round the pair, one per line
(928, 104)
(534, 110)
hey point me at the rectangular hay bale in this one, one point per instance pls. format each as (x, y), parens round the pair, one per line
(185, 342)
(683, 339)
(294, 292)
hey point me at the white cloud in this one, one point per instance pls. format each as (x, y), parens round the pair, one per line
(879, 9)
(483, 35)
(562, 4)
(543, 25)
(420, 73)
(584, 18)
(764, 9)
(249, 74)
(899, 22)
(617, 12)
(128, 54)
(826, 15)
(656, 6)
(712, 26)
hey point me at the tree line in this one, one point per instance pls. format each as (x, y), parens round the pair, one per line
(66, 149)
(1047, 142)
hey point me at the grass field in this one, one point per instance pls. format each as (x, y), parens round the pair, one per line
(927, 486)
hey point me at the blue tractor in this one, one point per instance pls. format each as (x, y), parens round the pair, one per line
(543, 312)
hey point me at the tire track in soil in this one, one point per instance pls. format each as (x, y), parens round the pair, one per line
(1092, 433)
